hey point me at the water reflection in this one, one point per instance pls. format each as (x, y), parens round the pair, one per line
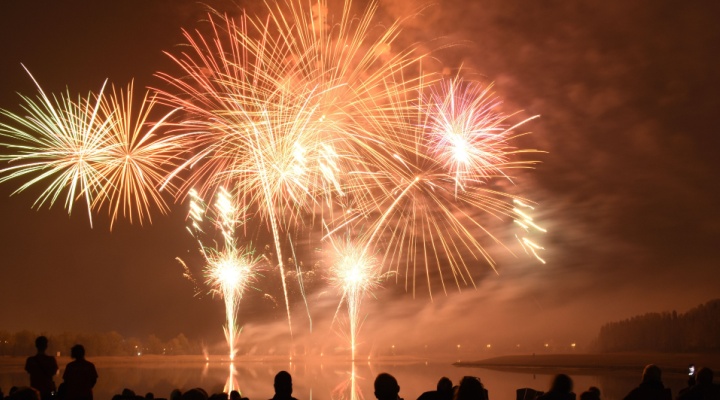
(348, 389)
(316, 380)
(232, 381)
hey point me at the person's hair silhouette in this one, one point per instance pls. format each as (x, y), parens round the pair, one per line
(283, 386)
(386, 387)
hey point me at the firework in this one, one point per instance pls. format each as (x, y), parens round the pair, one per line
(94, 148)
(316, 126)
(348, 389)
(137, 159)
(279, 108)
(428, 205)
(527, 223)
(230, 269)
(60, 142)
(353, 272)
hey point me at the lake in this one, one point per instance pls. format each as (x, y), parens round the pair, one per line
(321, 380)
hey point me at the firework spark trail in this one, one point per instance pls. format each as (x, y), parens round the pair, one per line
(353, 272)
(527, 223)
(230, 269)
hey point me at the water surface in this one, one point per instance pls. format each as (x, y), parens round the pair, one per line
(315, 380)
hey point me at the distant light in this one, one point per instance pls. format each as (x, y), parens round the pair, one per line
(547, 345)
(489, 345)
(573, 345)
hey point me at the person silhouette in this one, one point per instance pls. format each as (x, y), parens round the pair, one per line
(561, 389)
(42, 368)
(703, 389)
(386, 387)
(470, 388)
(593, 393)
(80, 376)
(25, 393)
(283, 386)
(444, 391)
(651, 387)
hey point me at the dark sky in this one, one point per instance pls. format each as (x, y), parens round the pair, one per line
(628, 96)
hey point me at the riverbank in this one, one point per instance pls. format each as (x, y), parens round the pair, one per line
(671, 363)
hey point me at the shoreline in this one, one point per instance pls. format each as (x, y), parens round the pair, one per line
(670, 363)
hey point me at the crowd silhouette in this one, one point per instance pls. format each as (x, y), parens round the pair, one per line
(80, 377)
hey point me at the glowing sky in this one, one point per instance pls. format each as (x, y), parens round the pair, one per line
(628, 95)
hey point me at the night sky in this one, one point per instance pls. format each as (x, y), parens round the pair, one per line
(628, 94)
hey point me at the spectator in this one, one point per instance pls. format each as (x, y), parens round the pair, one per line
(651, 387)
(195, 394)
(386, 387)
(25, 393)
(444, 391)
(42, 368)
(283, 386)
(471, 388)
(80, 376)
(561, 389)
(590, 394)
(703, 389)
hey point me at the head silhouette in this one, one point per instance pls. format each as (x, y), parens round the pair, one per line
(470, 388)
(195, 394)
(705, 376)
(283, 384)
(561, 384)
(77, 352)
(444, 385)
(25, 393)
(41, 344)
(386, 387)
(652, 373)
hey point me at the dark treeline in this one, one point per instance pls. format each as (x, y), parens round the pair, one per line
(697, 330)
(97, 344)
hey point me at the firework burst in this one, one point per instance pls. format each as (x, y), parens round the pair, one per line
(60, 143)
(95, 148)
(428, 204)
(230, 268)
(353, 273)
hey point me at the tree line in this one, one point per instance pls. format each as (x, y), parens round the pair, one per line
(22, 343)
(697, 330)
